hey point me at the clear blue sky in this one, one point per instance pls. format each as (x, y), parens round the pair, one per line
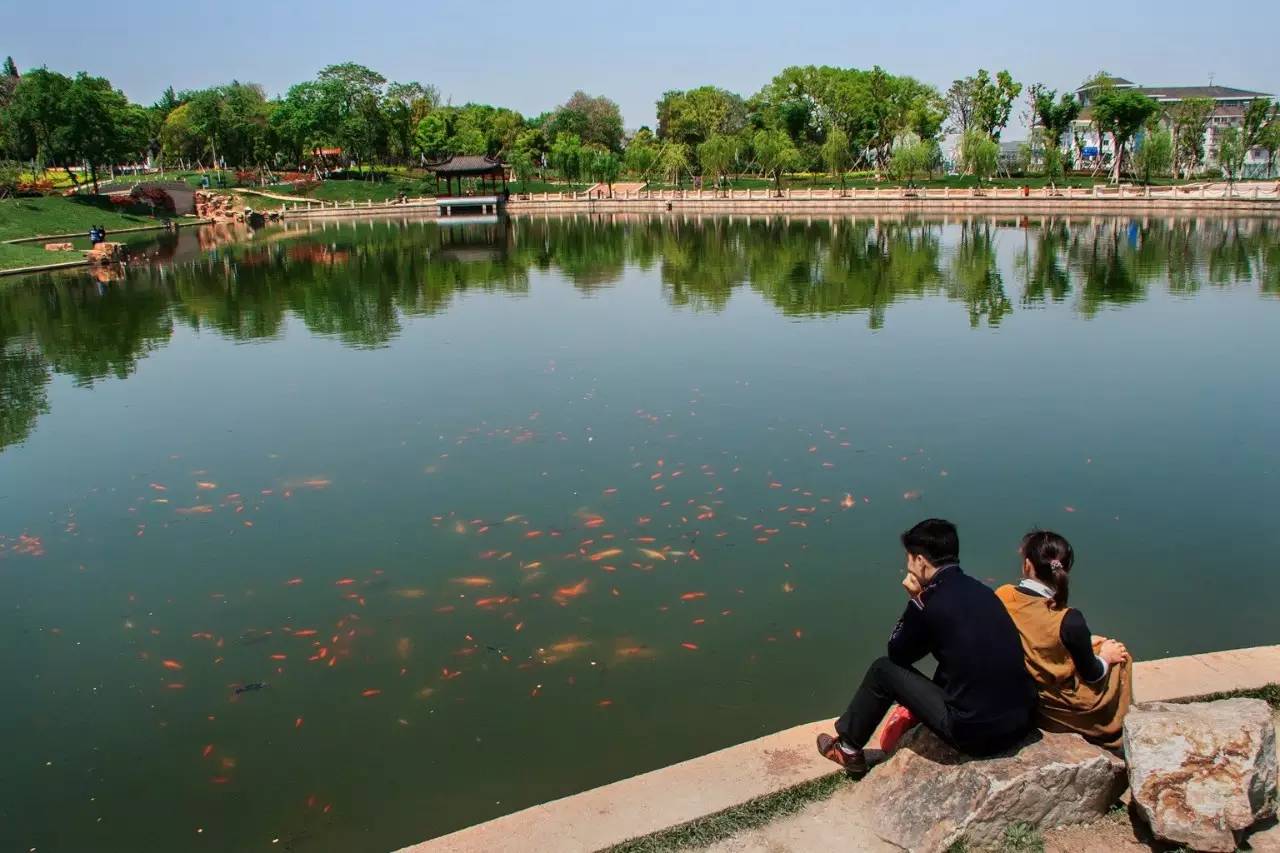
(533, 55)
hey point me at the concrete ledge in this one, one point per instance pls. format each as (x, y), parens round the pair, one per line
(180, 222)
(669, 796)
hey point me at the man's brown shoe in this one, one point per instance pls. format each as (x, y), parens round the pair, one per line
(853, 762)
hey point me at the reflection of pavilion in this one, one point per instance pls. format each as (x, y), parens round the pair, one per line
(476, 241)
(478, 180)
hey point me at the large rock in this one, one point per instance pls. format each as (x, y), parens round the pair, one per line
(927, 796)
(1203, 772)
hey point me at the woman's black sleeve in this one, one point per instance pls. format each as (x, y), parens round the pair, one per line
(1079, 642)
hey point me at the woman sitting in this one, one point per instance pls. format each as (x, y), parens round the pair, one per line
(1083, 681)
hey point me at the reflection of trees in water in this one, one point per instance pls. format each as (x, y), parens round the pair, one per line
(358, 282)
(975, 277)
(24, 377)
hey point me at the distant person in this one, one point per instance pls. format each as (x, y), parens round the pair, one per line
(1084, 681)
(94, 239)
(980, 699)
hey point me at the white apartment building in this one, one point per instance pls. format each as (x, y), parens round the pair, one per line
(1229, 106)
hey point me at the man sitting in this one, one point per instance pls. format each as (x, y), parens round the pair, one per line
(980, 699)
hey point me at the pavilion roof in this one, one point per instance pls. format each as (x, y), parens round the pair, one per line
(468, 164)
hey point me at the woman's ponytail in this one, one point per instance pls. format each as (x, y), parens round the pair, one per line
(1051, 558)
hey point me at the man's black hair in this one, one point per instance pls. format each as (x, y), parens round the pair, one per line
(935, 539)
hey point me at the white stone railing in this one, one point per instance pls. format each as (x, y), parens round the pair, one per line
(1249, 192)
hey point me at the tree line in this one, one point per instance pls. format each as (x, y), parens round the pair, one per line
(807, 118)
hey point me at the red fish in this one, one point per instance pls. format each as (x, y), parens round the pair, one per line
(372, 691)
(693, 647)
(692, 596)
(573, 591)
(207, 751)
(171, 664)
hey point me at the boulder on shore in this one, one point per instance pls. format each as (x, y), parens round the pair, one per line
(1202, 773)
(927, 795)
(107, 253)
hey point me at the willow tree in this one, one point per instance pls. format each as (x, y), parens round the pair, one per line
(776, 153)
(674, 162)
(836, 154)
(717, 156)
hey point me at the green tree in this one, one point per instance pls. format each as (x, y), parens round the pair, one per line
(100, 125)
(981, 103)
(1231, 153)
(690, 117)
(1189, 120)
(594, 120)
(9, 78)
(431, 138)
(566, 155)
(836, 153)
(605, 167)
(717, 156)
(979, 154)
(674, 162)
(913, 156)
(776, 153)
(1155, 152)
(1122, 113)
(641, 154)
(1054, 118)
(405, 105)
(34, 122)
(523, 165)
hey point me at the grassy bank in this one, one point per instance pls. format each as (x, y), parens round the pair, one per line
(13, 256)
(50, 215)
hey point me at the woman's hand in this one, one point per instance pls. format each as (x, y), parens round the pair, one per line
(911, 584)
(1113, 652)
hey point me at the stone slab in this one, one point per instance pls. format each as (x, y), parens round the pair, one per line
(640, 805)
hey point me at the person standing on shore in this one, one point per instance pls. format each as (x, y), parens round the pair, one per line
(981, 699)
(1084, 682)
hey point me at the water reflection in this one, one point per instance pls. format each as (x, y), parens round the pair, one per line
(359, 281)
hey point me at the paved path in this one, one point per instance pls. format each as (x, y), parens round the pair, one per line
(701, 786)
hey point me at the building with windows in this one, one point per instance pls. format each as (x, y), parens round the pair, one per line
(1228, 110)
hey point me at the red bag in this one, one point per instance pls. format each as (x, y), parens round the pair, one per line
(899, 723)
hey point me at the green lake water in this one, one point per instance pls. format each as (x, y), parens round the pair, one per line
(499, 513)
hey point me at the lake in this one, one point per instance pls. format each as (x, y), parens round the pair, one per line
(355, 533)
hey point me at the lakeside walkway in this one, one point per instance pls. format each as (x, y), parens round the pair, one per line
(670, 796)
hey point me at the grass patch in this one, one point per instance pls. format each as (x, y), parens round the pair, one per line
(13, 256)
(1269, 694)
(1018, 838)
(51, 215)
(739, 818)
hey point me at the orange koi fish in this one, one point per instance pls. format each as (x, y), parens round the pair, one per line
(305, 632)
(693, 596)
(605, 554)
(474, 580)
(652, 554)
(171, 664)
(372, 691)
(293, 581)
(207, 751)
(573, 591)
(693, 647)
(206, 486)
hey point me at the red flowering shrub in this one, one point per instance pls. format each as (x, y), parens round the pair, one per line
(153, 197)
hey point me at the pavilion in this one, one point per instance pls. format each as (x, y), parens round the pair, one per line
(486, 171)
